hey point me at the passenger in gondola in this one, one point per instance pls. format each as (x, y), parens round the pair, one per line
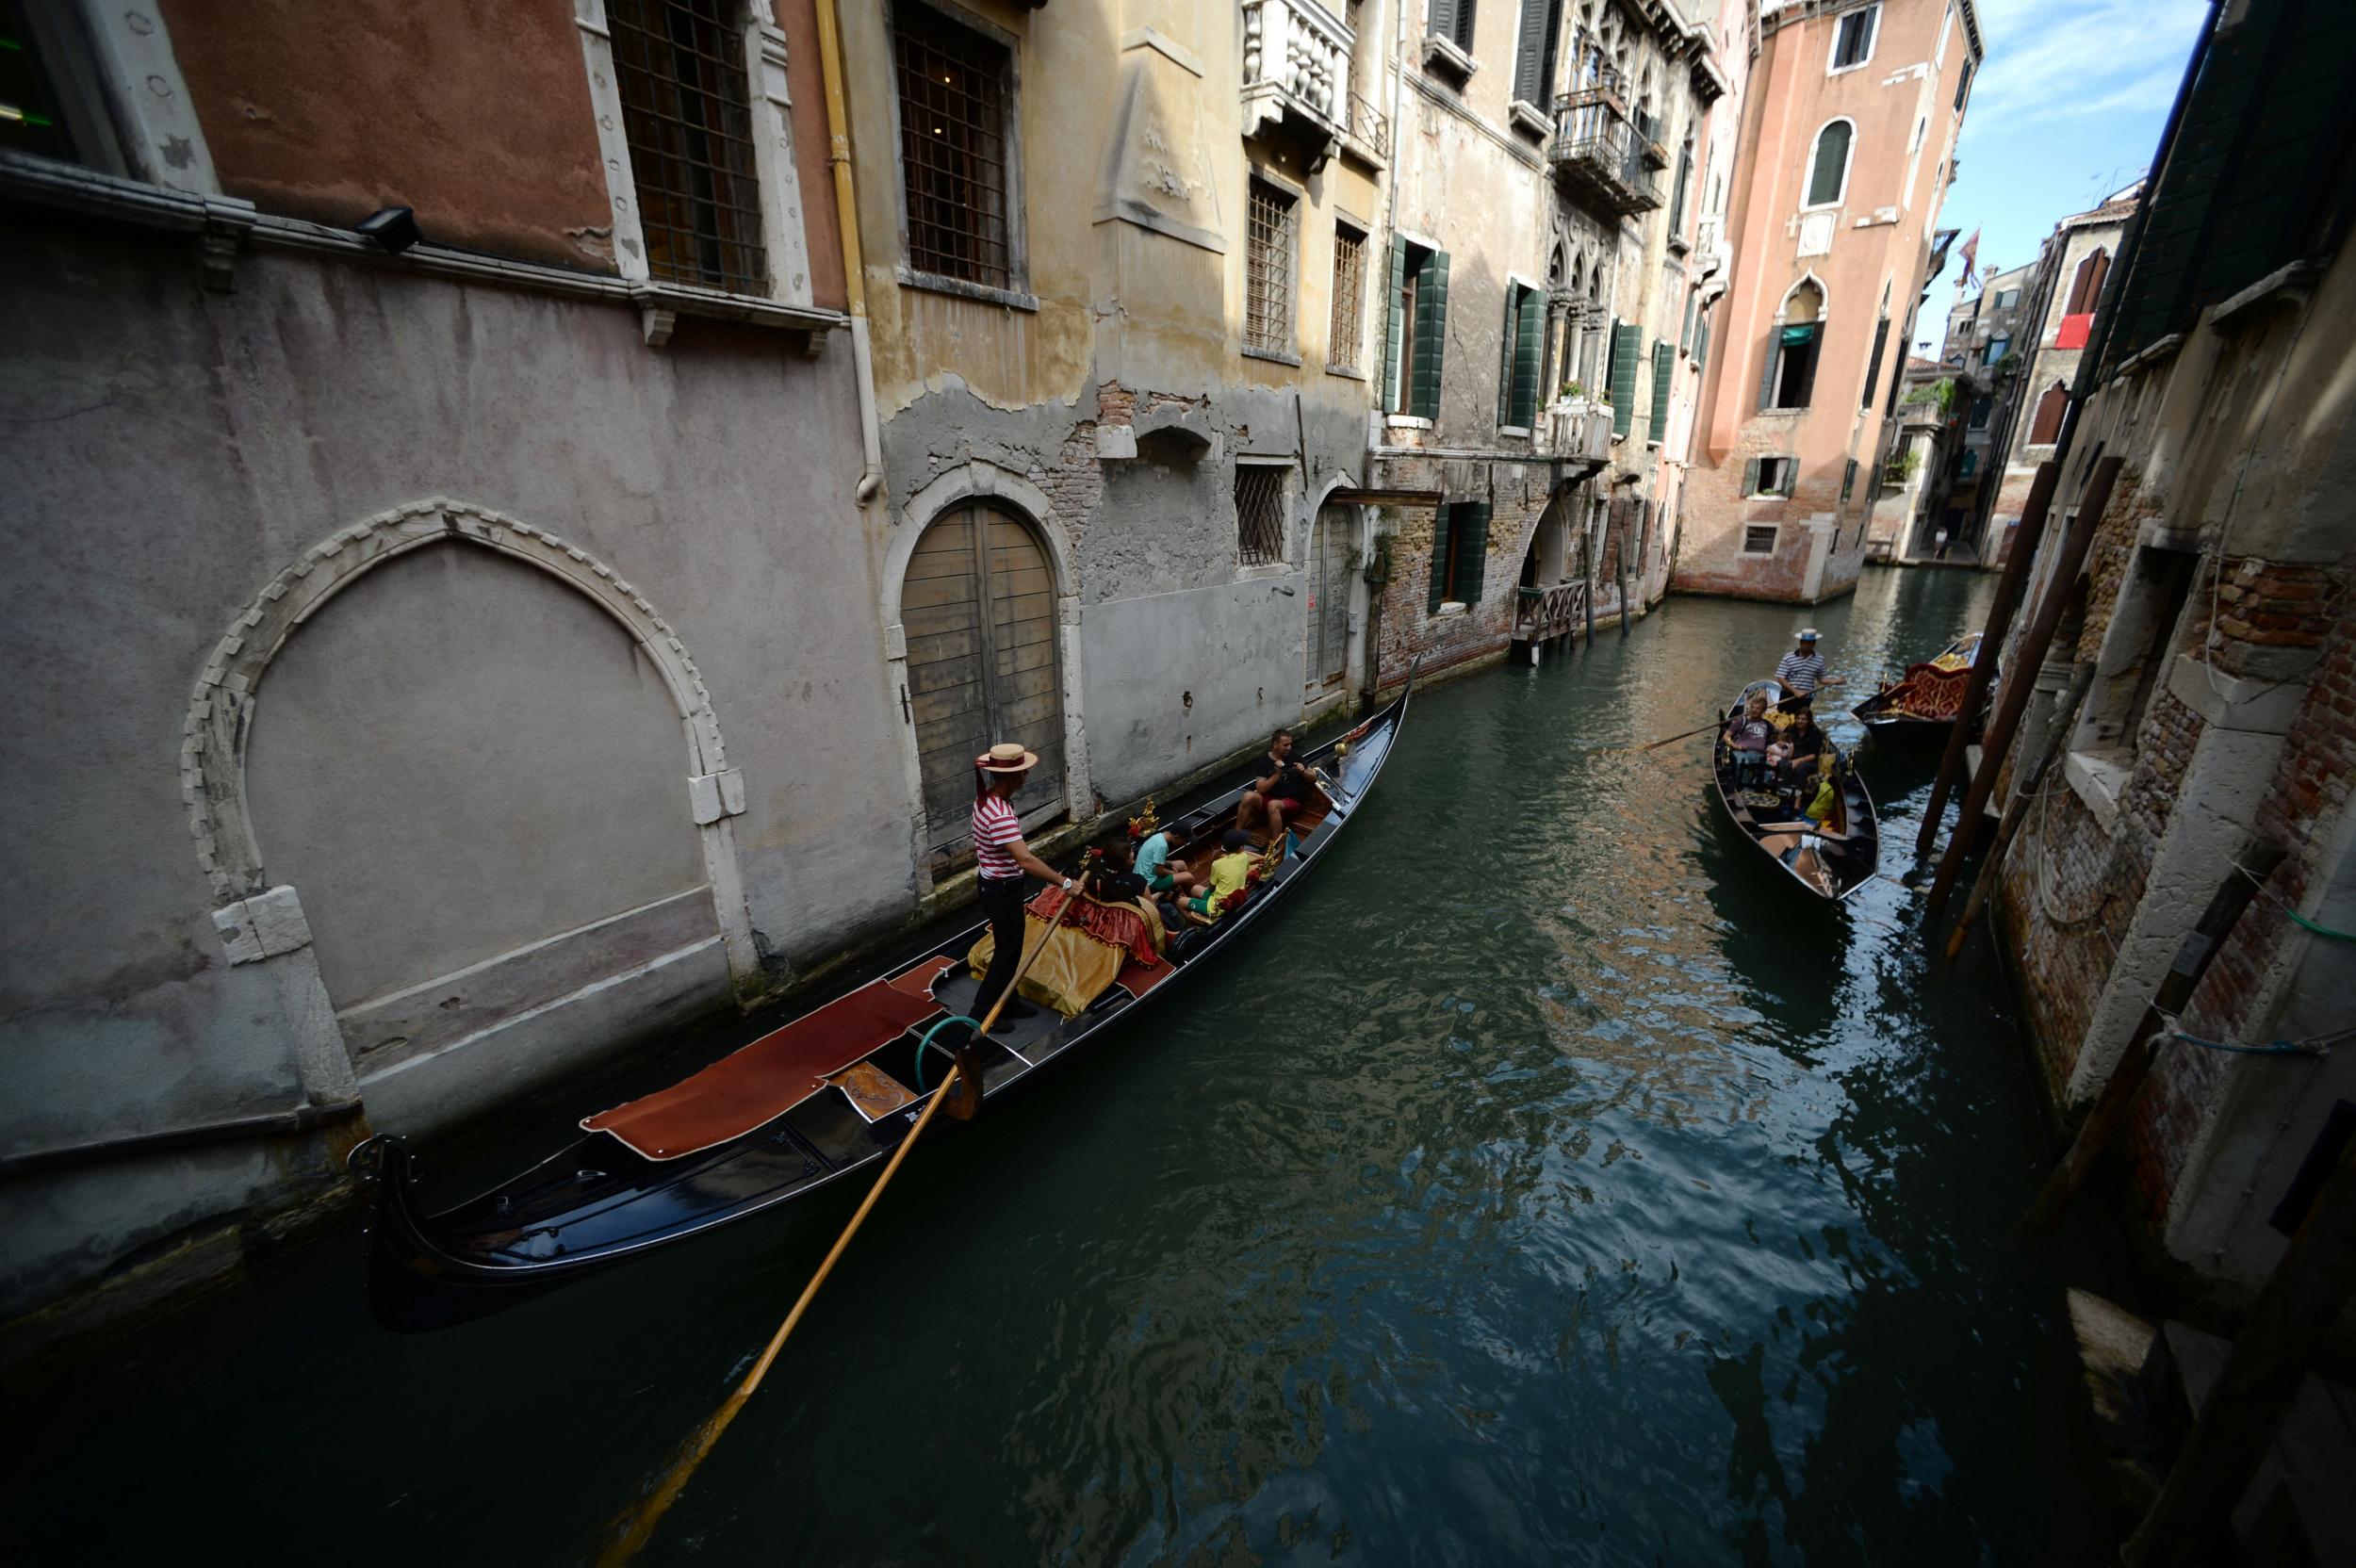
(1803, 747)
(1280, 787)
(1229, 874)
(1165, 876)
(1116, 881)
(1749, 734)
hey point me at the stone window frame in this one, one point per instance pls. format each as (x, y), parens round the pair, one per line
(1753, 545)
(1848, 166)
(1288, 516)
(1362, 235)
(1873, 40)
(1294, 200)
(784, 232)
(2157, 590)
(1019, 296)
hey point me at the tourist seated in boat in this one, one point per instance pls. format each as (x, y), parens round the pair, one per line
(1116, 880)
(1803, 749)
(1230, 875)
(1280, 788)
(1749, 734)
(1167, 877)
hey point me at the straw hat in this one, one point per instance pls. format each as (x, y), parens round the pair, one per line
(1005, 756)
(1807, 634)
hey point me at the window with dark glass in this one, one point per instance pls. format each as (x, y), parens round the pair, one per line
(1829, 170)
(954, 151)
(1853, 41)
(1349, 287)
(686, 115)
(1268, 275)
(52, 105)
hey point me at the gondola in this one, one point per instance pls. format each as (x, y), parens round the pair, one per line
(822, 1098)
(1925, 701)
(1831, 860)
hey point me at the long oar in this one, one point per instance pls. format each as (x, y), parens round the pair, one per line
(639, 1527)
(1612, 751)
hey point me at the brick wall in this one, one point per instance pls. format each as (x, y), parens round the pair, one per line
(1516, 494)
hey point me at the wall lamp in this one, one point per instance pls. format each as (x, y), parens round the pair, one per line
(395, 229)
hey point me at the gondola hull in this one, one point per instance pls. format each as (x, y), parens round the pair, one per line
(1925, 703)
(604, 1200)
(1830, 860)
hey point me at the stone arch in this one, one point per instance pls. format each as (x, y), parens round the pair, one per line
(221, 713)
(982, 481)
(1793, 295)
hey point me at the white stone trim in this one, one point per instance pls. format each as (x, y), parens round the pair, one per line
(782, 224)
(221, 710)
(605, 98)
(155, 118)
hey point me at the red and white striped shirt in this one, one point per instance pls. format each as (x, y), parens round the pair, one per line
(995, 827)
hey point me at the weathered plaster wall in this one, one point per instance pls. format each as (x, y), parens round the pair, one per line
(174, 450)
(328, 117)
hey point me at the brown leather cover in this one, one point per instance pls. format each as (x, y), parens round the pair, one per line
(762, 1081)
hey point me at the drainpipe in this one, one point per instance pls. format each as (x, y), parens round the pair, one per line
(870, 482)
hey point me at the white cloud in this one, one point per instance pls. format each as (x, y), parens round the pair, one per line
(2059, 59)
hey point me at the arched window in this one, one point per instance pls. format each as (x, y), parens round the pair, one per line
(2086, 290)
(1828, 166)
(1788, 379)
(2045, 428)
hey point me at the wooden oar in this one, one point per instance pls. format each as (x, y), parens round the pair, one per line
(638, 1528)
(1613, 751)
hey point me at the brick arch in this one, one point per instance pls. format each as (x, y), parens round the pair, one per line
(222, 709)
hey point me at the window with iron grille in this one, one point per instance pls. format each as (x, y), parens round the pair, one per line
(1758, 539)
(1268, 276)
(955, 93)
(686, 114)
(1342, 340)
(1259, 513)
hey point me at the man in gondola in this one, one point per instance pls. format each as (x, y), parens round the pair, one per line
(1801, 674)
(1279, 788)
(1000, 858)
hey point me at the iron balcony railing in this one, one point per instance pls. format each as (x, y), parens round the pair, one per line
(1370, 127)
(1597, 153)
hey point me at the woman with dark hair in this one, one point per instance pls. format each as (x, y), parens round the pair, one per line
(1804, 748)
(1000, 858)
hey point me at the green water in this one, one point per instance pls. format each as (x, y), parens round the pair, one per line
(1552, 1182)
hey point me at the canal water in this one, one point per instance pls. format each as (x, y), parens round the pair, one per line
(1551, 1183)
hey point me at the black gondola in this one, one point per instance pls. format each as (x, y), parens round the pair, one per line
(1832, 859)
(833, 1091)
(1924, 703)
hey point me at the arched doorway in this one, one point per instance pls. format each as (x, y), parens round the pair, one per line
(977, 605)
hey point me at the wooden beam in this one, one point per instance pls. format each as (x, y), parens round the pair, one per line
(2253, 864)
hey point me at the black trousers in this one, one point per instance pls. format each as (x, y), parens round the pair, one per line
(1002, 901)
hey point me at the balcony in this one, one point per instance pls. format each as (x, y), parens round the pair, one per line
(1577, 431)
(1597, 156)
(1542, 613)
(1295, 73)
(1368, 133)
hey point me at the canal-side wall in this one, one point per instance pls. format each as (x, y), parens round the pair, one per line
(2214, 610)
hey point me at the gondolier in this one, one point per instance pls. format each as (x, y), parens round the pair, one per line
(1801, 672)
(1000, 858)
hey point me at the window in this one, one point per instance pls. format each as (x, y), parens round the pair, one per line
(1460, 554)
(1963, 87)
(2139, 644)
(1874, 361)
(2086, 287)
(1853, 38)
(1534, 53)
(1789, 377)
(1677, 200)
(1848, 480)
(2008, 300)
(1517, 373)
(51, 102)
(2045, 428)
(1453, 21)
(1260, 513)
(1771, 476)
(1342, 339)
(1416, 313)
(1970, 465)
(1995, 350)
(1663, 361)
(1628, 340)
(1268, 276)
(954, 163)
(1828, 165)
(680, 69)
(1758, 539)
(1981, 407)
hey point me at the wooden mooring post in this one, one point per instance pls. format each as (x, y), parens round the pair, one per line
(2253, 864)
(2254, 1390)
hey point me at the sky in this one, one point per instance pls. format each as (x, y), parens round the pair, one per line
(2067, 107)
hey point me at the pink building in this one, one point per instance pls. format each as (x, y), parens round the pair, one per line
(1847, 149)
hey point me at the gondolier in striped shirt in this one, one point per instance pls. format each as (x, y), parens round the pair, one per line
(1801, 673)
(1000, 858)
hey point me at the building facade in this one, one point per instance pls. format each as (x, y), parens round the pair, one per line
(2212, 623)
(1849, 125)
(1545, 209)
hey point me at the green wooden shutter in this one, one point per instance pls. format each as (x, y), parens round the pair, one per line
(1701, 345)
(1873, 365)
(1790, 476)
(1750, 477)
(1626, 343)
(1430, 335)
(1439, 559)
(1529, 349)
(1441, 20)
(1507, 341)
(1472, 550)
(1830, 171)
(1533, 52)
(1767, 376)
(1392, 312)
(1663, 361)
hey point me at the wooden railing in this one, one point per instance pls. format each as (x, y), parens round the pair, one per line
(1540, 613)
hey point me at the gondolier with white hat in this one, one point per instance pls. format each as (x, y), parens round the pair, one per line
(1000, 858)
(1801, 672)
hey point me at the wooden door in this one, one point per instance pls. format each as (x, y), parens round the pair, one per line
(1329, 598)
(979, 607)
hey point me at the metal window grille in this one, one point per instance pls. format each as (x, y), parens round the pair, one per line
(680, 67)
(1758, 539)
(1259, 513)
(953, 148)
(1350, 284)
(1267, 311)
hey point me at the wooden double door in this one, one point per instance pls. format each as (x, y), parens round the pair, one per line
(1330, 549)
(978, 610)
